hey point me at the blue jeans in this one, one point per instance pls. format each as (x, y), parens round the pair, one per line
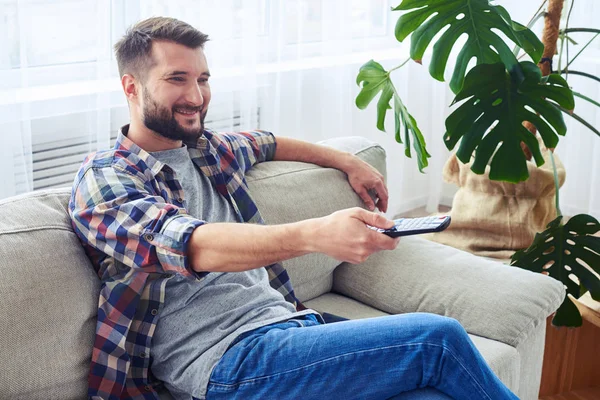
(374, 358)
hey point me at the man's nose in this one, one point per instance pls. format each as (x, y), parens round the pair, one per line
(194, 95)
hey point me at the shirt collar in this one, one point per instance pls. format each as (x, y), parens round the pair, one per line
(202, 144)
(124, 143)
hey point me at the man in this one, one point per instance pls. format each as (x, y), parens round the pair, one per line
(185, 300)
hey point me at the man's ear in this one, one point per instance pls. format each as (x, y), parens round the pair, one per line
(130, 87)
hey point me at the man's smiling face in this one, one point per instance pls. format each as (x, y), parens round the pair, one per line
(176, 91)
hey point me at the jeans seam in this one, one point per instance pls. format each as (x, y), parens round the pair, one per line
(465, 369)
(250, 381)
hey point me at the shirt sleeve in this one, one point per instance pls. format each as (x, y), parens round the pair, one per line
(120, 215)
(252, 147)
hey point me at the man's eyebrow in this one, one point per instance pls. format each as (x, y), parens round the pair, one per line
(176, 73)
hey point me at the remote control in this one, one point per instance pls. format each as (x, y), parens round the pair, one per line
(415, 226)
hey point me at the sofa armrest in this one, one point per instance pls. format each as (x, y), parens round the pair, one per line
(488, 298)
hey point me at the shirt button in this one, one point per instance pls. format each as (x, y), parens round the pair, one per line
(147, 388)
(143, 355)
(154, 311)
(179, 200)
(149, 237)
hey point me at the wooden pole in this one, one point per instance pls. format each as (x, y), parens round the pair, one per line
(549, 38)
(550, 35)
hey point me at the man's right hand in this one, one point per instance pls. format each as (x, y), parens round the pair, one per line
(344, 235)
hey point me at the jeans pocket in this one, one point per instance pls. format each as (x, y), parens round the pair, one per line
(312, 319)
(306, 320)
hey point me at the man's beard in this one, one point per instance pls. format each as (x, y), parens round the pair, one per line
(162, 120)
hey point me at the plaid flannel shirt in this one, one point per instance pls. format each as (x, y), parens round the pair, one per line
(127, 208)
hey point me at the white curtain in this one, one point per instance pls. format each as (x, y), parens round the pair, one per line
(285, 66)
(580, 149)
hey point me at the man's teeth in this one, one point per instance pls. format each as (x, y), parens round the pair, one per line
(186, 112)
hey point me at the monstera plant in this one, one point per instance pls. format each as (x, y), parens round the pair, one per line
(500, 103)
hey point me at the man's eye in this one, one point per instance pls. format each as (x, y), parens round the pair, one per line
(177, 79)
(202, 80)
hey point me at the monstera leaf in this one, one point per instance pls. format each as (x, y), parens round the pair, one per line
(478, 19)
(376, 79)
(563, 251)
(496, 102)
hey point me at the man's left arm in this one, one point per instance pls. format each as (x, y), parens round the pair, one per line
(361, 176)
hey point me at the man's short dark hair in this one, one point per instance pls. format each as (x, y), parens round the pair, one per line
(133, 51)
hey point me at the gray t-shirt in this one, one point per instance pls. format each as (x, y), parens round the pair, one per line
(199, 320)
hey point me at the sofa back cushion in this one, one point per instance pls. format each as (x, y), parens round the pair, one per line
(293, 191)
(48, 300)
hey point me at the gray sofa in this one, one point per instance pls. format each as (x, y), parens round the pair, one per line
(49, 292)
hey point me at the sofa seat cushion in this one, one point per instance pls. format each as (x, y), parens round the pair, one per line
(343, 306)
(502, 358)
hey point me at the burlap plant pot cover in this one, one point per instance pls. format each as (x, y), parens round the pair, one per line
(494, 219)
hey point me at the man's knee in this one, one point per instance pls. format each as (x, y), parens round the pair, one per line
(446, 325)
